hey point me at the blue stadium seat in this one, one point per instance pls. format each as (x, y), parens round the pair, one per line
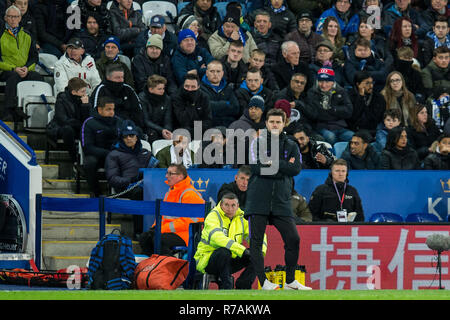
(181, 5)
(421, 217)
(339, 147)
(221, 8)
(386, 217)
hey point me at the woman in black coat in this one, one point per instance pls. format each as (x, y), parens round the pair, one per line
(397, 155)
(336, 195)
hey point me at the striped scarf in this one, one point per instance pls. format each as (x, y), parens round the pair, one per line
(12, 31)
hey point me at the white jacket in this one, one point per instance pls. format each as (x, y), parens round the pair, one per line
(66, 69)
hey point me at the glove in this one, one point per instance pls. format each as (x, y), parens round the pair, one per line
(246, 255)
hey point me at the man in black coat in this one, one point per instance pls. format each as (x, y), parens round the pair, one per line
(98, 133)
(190, 104)
(157, 107)
(360, 154)
(126, 101)
(71, 109)
(92, 37)
(152, 60)
(269, 197)
(336, 197)
(265, 39)
(290, 64)
(439, 160)
(238, 186)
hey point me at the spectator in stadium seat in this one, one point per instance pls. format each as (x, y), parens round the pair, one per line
(289, 64)
(437, 72)
(221, 251)
(188, 57)
(368, 105)
(75, 63)
(71, 109)
(342, 11)
(422, 132)
(157, 25)
(398, 96)
(300, 208)
(305, 37)
(438, 105)
(333, 107)
(439, 160)
(316, 7)
(126, 24)
(51, 20)
(190, 104)
(362, 59)
(238, 186)
(174, 231)
(223, 102)
(436, 10)
(92, 38)
(157, 108)
(257, 61)
(18, 57)
(28, 22)
(410, 71)
(324, 58)
(126, 101)
(301, 112)
(252, 117)
(178, 152)
(98, 10)
(214, 150)
(398, 155)
(331, 31)
(399, 9)
(206, 14)
(391, 119)
(122, 166)
(189, 21)
(360, 154)
(230, 30)
(233, 66)
(437, 37)
(403, 35)
(283, 20)
(111, 56)
(269, 199)
(152, 60)
(314, 155)
(253, 85)
(265, 39)
(98, 134)
(336, 195)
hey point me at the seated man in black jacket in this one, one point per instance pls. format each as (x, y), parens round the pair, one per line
(122, 166)
(157, 107)
(360, 154)
(126, 101)
(314, 155)
(71, 109)
(336, 200)
(98, 133)
(238, 186)
(440, 159)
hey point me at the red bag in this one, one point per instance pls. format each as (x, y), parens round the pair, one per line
(160, 273)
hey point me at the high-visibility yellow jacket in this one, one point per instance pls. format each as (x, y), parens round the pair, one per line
(219, 231)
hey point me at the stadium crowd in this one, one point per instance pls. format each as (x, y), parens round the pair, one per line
(368, 77)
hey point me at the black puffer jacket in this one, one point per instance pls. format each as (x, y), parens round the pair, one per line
(122, 164)
(437, 161)
(395, 159)
(100, 13)
(271, 193)
(209, 20)
(120, 26)
(324, 201)
(157, 111)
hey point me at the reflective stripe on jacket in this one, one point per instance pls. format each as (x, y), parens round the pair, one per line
(219, 231)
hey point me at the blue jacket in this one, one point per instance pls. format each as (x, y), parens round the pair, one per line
(346, 29)
(182, 62)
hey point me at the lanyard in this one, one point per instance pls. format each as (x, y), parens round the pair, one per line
(341, 200)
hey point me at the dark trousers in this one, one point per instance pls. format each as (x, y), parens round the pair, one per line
(90, 166)
(68, 135)
(222, 265)
(168, 241)
(288, 230)
(12, 79)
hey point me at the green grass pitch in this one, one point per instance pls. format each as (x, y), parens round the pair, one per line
(228, 295)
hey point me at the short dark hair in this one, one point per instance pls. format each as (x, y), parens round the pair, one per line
(254, 70)
(440, 18)
(181, 169)
(76, 84)
(237, 44)
(393, 113)
(360, 76)
(113, 67)
(339, 162)
(365, 135)
(103, 101)
(277, 113)
(363, 43)
(440, 50)
(443, 136)
(230, 196)
(302, 128)
(191, 76)
(245, 169)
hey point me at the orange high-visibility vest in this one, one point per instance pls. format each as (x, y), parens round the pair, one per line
(182, 192)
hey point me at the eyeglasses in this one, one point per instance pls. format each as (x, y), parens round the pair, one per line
(395, 80)
(12, 17)
(168, 173)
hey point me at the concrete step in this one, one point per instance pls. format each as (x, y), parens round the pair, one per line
(70, 185)
(72, 232)
(70, 216)
(50, 171)
(69, 248)
(64, 194)
(54, 155)
(62, 262)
